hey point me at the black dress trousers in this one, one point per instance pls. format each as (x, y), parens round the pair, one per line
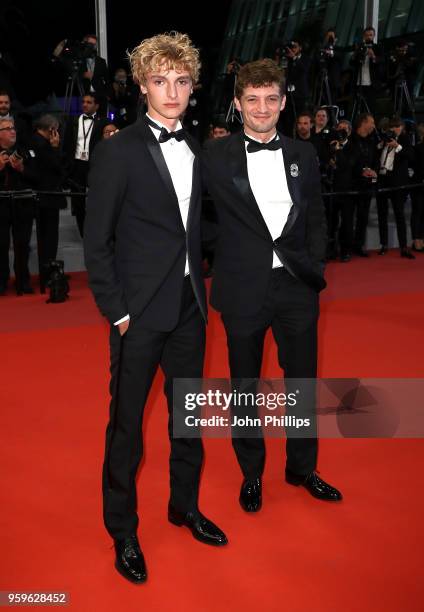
(291, 309)
(135, 358)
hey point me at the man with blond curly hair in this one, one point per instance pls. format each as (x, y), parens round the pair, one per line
(143, 256)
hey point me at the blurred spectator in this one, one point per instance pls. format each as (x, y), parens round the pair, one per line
(364, 150)
(125, 95)
(16, 215)
(50, 168)
(417, 194)
(304, 124)
(330, 65)
(401, 75)
(109, 129)
(219, 129)
(81, 136)
(23, 129)
(396, 154)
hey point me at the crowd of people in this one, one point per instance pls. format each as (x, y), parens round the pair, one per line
(357, 162)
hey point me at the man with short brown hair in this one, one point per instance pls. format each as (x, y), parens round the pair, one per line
(269, 263)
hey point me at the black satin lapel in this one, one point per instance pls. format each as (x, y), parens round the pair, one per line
(157, 155)
(292, 165)
(241, 178)
(195, 191)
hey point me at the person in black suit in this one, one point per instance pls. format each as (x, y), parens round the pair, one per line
(396, 154)
(298, 69)
(16, 215)
(94, 71)
(143, 256)
(417, 194)
(368, 63)
(50, 170)
(81, 136)
(269, 263)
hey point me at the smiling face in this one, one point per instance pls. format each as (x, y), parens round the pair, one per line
(4, 105)
(167, 94)
(260, 107)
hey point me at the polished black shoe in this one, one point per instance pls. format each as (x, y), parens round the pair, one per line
(316, 487)
(406, 253)
(345, 257)
(129, 560)
(361, 252)
(251, 495)
(3, 287)
(383, 250)
(202, 528)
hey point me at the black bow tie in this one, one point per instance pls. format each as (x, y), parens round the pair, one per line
(255, 146)
(164, 135)
(87, 117)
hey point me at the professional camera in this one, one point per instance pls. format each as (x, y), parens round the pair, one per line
(337, 137)
(363, 50)
(388, 136)
(76, 51)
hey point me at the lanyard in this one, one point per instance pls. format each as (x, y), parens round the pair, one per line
(86, 133)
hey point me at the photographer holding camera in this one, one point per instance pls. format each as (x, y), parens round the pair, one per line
(297, 88)
(367, 60)
(329, 69)
(401, 74)
(16, 215)
(342, 164)
(80, 59)
(396, 155)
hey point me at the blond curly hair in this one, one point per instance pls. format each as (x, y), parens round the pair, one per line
(169, 51)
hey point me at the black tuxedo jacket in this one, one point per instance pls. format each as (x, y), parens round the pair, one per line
(244, 247)
(405, 158)
(134, 237)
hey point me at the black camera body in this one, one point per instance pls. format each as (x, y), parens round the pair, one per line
(363, 50)
(77, 51)
(388, 136)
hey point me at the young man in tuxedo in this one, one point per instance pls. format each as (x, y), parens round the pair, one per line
(268, 267)
(81, 136)
(143, 255)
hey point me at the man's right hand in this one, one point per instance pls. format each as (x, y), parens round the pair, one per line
(123, 327)
(4, 159)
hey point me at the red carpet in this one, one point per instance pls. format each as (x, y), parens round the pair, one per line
(297, 554)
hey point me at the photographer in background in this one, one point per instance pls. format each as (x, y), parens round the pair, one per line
(341, 207)
(364, 150)
(92, 71)
(16, 215)
(330, 65)
(396, 154)
(124, 98)
(50, 168)
(367, 60)
(297, 88)
(401, 74)
(417, 194)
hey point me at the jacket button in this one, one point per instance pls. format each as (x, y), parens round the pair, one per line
(275, 243)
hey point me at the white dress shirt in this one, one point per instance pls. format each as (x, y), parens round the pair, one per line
(85, 131)
(179, 159)
(365, 77)
(267, 178)
(387, 158)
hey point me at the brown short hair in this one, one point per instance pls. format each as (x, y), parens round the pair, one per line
(172, 51)
(260, 73)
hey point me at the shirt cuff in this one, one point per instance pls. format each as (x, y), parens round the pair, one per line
(126, 318)
(398, 149)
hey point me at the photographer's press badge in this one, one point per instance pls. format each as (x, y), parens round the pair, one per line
(294, 170)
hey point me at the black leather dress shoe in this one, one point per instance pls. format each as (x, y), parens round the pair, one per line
(383, 250)
(129, 560)
(405, 252)
(251, 495)
(202, 528)
(345, 257)
(3, 288)
(315, 485)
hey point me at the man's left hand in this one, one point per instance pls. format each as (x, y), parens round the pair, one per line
(17, 164)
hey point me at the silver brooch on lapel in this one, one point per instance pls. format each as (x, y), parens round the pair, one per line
(294, 170)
